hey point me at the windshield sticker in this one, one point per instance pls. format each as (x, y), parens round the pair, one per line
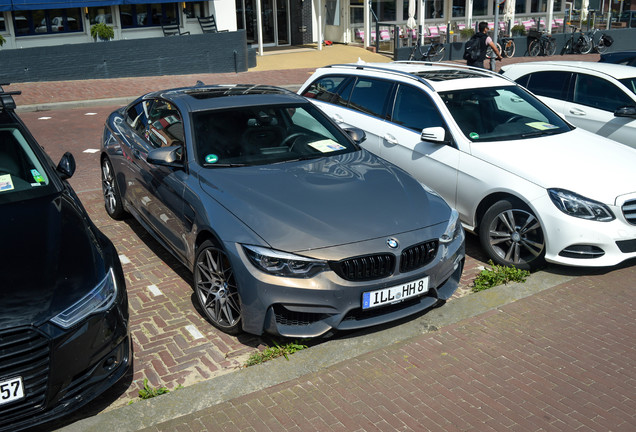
(211, 158)
(326, 146)
(541, 125)
(473, 135)
(6, 184)
(37, 176)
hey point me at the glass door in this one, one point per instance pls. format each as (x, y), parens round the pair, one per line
(274, 20)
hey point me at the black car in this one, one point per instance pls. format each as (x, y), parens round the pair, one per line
(620, 57)
(64, 335)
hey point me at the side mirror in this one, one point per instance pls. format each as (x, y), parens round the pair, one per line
(356, 134)
(626, 111)
(434, 134)
(66, 166)
(166, 156)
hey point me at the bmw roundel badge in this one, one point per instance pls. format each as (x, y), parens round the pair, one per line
(392, 243)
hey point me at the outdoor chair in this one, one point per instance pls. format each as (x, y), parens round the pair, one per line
(208, 24)
(171, 28)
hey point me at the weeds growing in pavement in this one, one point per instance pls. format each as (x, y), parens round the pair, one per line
(498, 275)
(148, 392)
(273, 352)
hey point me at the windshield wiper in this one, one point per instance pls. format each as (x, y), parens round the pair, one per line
(541, 133)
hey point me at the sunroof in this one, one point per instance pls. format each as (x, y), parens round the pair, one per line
(445, 75)
(213, 92)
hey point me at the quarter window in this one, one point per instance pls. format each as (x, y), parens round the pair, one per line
(599, 93)
(414, 109)
(332, 89)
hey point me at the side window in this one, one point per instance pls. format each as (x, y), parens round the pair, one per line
(599, 93)
(414, 109)
(332, 89)
(164, 125)
(370, 96)
(552, 84)
(137, 117)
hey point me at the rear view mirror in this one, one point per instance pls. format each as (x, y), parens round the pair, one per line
(626, 111)
(66, 167)
(434, 134)
(166, 156)
(357, 135)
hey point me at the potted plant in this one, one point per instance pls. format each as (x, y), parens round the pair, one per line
(518, 30)
(2, 40)
(467, 32)
(102, 32)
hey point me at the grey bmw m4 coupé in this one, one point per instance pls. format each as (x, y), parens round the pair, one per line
(288, 226)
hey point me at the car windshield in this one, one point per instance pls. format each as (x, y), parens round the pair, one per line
(630, 83)
(22, 176)
(505, 113)
(258, 135)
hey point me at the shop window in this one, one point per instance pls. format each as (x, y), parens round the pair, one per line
(51, 21)
(147, 15)
(520, 6)
(98, 15)
(538, 6)
(194, 9)
(3, 27)
(480, 7)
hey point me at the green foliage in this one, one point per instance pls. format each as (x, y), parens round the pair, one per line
(102, 31)
(467, 33)
(518, 29)
(498, 275)
(2, 40)
(149, 392)
(273, 352)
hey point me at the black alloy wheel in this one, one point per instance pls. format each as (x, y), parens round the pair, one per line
(112, 197)
(216, 288)
(512, 235)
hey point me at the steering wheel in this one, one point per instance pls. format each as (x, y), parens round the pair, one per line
(293, 138)
(514, 118)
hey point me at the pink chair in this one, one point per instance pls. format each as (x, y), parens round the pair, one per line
(433, 33)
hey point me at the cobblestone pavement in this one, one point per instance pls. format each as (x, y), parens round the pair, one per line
(559, 360)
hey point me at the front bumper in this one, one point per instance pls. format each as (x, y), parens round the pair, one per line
(578, 242)
(298, 307)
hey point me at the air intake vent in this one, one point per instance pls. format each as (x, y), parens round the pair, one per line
(24, 353)
(418, 256)
(365, 268)
(629, 210)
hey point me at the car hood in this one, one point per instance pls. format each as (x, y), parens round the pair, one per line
(304, 205)
(50, 259)
(579, 161)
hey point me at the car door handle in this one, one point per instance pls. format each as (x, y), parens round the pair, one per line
(338, 118)
(390, 139)
(577, 112)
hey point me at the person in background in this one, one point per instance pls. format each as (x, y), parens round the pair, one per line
(485, 41)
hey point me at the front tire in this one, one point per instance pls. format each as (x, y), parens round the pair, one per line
(511, 235)
(534, 48)
(601, 47)
(550, 47)
(509, 48)
(584, 44)
(216, 289)
(112, 197)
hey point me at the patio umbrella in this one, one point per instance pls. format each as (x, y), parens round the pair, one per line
(469, 14)
(509, 13)
(584, 7)
(410, 23)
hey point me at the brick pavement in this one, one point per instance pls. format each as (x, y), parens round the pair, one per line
(560, 360)
(166, 352)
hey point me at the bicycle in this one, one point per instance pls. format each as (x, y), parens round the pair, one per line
(582, 44)
(432, 52)
(541, 44)
(604, 42)
(506, 47)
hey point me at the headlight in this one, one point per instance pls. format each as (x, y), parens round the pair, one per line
(283, 264)
(580, 207)
(99, 299)
(453, 228)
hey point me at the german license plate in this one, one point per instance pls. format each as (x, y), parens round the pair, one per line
(11, 390)
(394, 294)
